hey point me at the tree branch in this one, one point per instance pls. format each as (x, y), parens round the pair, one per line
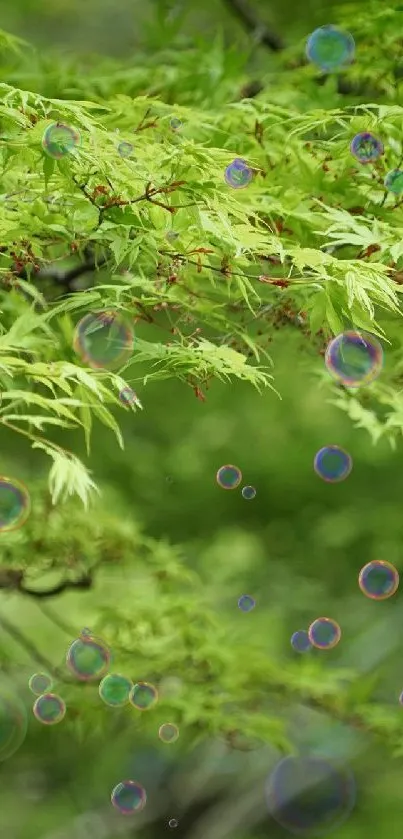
(250, 22)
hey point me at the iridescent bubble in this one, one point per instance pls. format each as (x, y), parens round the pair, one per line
(128, 397)
(308, 796)
(354, 358)
(49, 709)
(394, 181)
(168, 732)
(143, 696)
(88, 658)
(125, 149)
(238, 174)
(13, 722)
(59, 140)
(129, 797)
(324, 633)
(15, 504)
(173, 823)
(176, 124)
(329, 47)
(378, 580)
(40, 683)
(300, 641)
(229, 477)
(366, 148)
(114, 690)
(104, 340)
(332, 464)
(246, 603)
(248, 493)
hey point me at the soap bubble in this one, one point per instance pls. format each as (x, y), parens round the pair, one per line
(173, 823)
(378, 580)
(248, 493)
(13, 722)
(129, 797)
(129, 397)
(300, 641)
(329, 47)
(394, 181)
(168, 732)
(15, 504)
(143, 696)
(59, 140)
(246, 603)
(104, 340)
(229, 477)
(366, 148)
(125, 149)
(324, 633)
(332, 464)
(308, 796)
(238, 174)
(40, 683)
(172, 235)
(354, 358)
(176, 124)
(49, 709)
(88, 658)
(114, 690)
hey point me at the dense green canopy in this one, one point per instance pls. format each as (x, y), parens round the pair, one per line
(233, 296)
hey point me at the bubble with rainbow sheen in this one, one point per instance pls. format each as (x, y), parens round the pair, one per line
(329, 47)
(40, 683)
(354, 358)
(229, 476)
(238, 174)
(125, 149)
(104, 340)
(15, 504)
(366, 148)
(115, 689)
(324, 633)
(248, 493)
(173, 823)
(168, 732)
(128, 396)
(129, 797)
(310, 796)
(300, 641)
(60, 140)
(393, 181)
(378, 579)
(13, 721)
(333, 464)
(49, 709)
(246, 603)
(143, 696)
(88, 658)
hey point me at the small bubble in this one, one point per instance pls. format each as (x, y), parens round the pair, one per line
(59, 140)
(246, 603)
(49, 709)
(173, 823)
(176, 124)
(300, 641)
(104, 340)
(329, 47)
(378, 580)
(143, 696)
(125, 149)
(40, 683)
(88, 658)
(332, 464)
(168, 732)
(248, 492)
(114, 690)
(366, 148)
(354, 358)
(15, 504)
(229, 476)
(129, 797)
(394, 181)
(324, 633)
(238, 174)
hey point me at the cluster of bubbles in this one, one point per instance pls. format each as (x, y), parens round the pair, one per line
(15, 504)
(48, 708)
(354, 359)
(330, 48)
(229, 477)
(238, 174)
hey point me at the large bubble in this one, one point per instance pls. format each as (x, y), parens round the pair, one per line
(309, 796)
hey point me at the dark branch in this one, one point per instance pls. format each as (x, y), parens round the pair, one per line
(241, 9)
(85, 582)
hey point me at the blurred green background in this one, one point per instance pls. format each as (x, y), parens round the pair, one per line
(297, 548)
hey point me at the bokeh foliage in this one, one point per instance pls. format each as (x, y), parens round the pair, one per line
(157, 562)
